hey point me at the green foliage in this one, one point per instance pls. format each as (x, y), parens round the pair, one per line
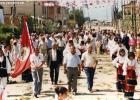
(71, 23)
(50, 26)
(78, 16)
(126, 23)
(29, 22)
(5, 33)
(7, 28)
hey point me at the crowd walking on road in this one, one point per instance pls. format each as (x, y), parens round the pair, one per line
(76, 50)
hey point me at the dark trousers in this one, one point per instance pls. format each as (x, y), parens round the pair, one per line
(120, 86)
(72, 74)
(54, 71)
(90, 75)
(61, 49)
(27, 76)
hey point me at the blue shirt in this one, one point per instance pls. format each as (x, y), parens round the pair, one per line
(49, 43)
(72, 60)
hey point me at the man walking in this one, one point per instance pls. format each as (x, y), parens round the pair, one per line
(71, 64)
(89, 62)
(37, 62)
(54, 59)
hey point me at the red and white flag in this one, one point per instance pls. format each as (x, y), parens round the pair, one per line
(1, 96)
(23, 61)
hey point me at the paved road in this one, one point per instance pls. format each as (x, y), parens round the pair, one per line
(104, 85)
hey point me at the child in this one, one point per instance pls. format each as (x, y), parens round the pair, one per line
(118, 63)
(130, 73)
(61, 93)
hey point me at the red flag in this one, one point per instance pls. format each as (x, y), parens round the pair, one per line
(1, 96)
(23, 61)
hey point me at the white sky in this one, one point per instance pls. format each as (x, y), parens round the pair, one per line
(101, 12)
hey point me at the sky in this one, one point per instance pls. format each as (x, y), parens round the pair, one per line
(100, 12)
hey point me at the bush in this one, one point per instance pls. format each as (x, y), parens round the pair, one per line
(7, 28)
(5, 38)
(5, 33)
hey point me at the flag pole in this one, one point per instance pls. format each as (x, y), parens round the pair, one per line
(34, 16)
(88, 10)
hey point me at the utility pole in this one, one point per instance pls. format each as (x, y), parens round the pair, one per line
(134, 16)
(139, 15)
(34, 16)
(13, 15)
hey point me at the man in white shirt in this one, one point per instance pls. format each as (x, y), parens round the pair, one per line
(71, 64)
(54, 60)
(89, 62)
(37, 62)
(61, 46)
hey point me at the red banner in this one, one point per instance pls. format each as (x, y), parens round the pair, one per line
(23, 61)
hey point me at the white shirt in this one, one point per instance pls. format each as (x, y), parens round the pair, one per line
(72, 60)
(8, 53)
(130, 63)
(15, 51)
(61, 43)
(119, 60)
(35, 43)
(67, 50)
(42, 44)
(119, 48)
(89, 59)
(54, 58)
(112, 46)
(36, 60)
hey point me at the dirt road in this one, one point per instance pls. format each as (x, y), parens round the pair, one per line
(104, 85)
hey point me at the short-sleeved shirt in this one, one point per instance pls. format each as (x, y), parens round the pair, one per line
(72, 60)
(36, 60)
(89, 59)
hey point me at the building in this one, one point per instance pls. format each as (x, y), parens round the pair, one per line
(20, 8)
(40, 10)
(131, 16)
(56, 12)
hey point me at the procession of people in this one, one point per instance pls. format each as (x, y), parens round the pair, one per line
(75, 50)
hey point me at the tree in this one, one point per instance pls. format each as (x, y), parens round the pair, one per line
(29, 22)
(78, 16)
(50, 26)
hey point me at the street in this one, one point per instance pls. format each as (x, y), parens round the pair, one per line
(104, 85)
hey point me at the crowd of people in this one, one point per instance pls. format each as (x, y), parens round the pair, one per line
(76, 50)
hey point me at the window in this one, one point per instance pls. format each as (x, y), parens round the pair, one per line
(59, 10)
(11, 10)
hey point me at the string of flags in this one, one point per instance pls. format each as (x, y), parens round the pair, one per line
(79, 3)
(83, 3)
